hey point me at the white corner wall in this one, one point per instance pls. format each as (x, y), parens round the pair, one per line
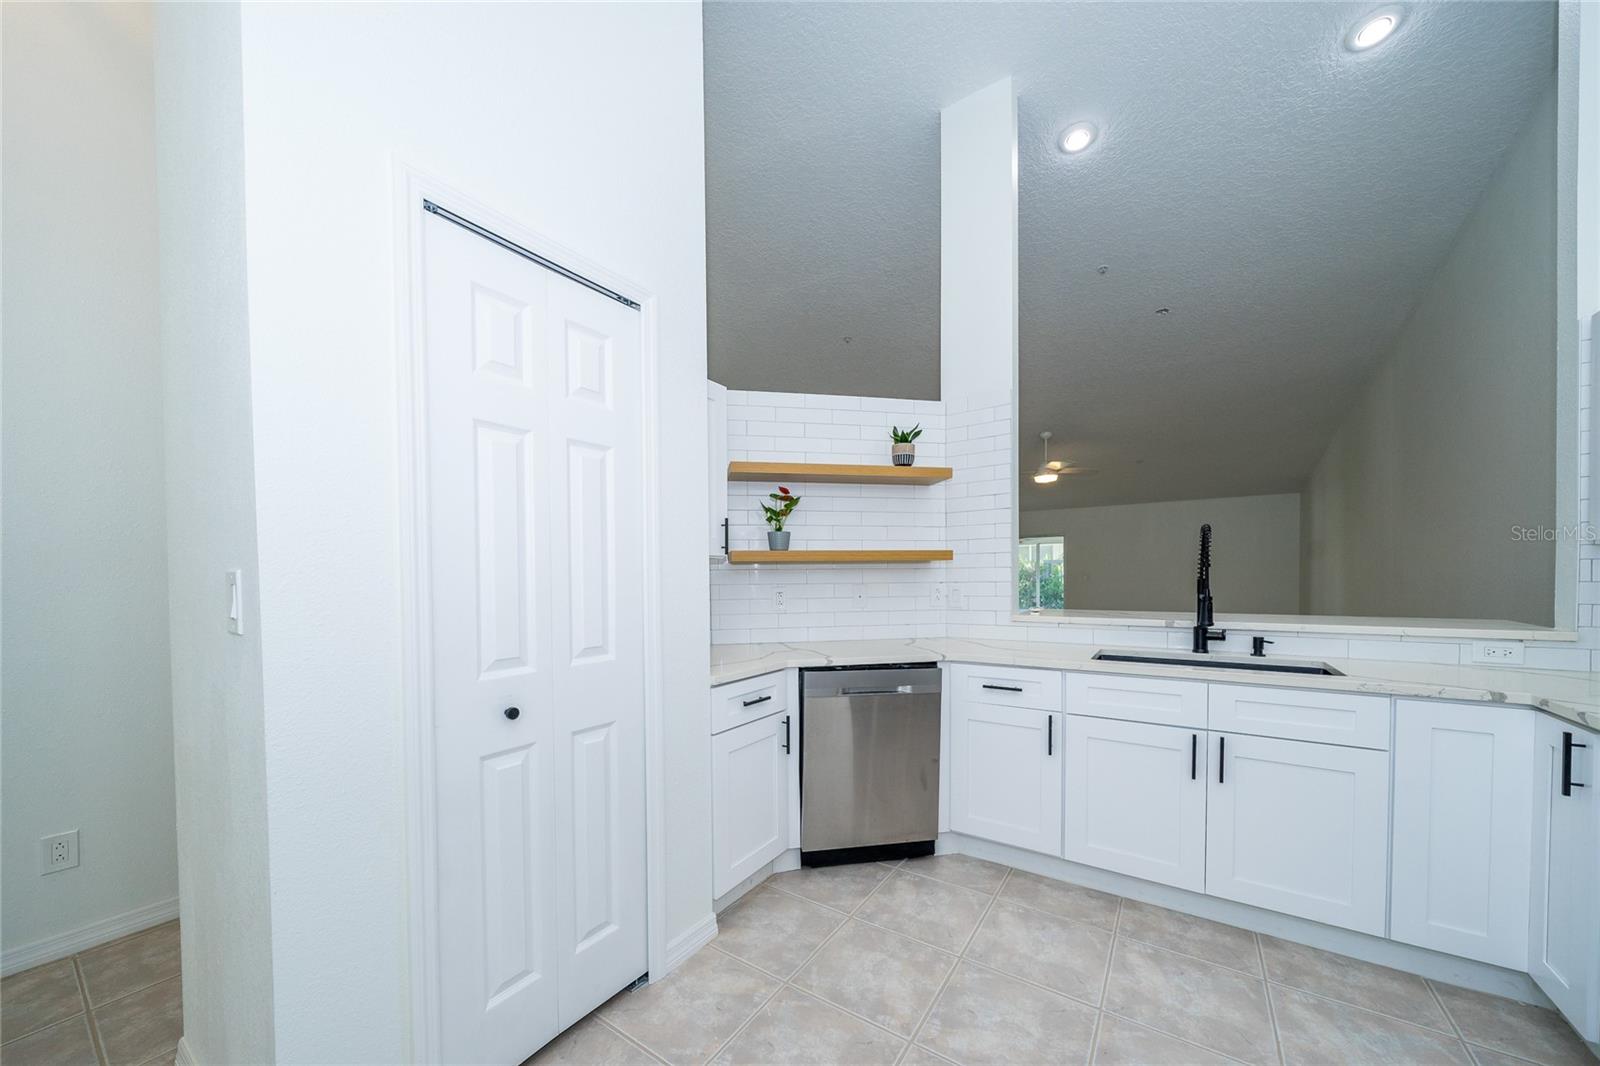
(583, 122)
(217, 705)
(87, 733)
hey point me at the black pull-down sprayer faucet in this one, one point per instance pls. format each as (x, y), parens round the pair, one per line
(1203, 633)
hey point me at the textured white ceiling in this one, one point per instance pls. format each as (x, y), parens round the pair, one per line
(1285, 198)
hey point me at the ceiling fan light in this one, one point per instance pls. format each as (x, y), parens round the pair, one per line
(1045, 476)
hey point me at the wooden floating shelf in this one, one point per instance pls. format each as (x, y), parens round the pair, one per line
(844, 555)
(838, 473)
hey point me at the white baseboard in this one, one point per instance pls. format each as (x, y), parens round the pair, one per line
(185, 1054)
(81, 939)
(686, 943)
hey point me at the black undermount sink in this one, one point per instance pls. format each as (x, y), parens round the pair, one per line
(1264, 665)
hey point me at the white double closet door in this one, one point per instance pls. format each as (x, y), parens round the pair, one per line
(536, 547)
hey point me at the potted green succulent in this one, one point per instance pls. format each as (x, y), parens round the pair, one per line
(786, 502)
(904, 451)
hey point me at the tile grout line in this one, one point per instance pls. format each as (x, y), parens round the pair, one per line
(927, 1012)
(604, 1024)
(1105, 982)
(88, 1012)
(1266, 991)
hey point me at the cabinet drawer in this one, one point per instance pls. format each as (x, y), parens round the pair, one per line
(749, 700)
(1007, 686)
(1296, 714)
(1137, 699)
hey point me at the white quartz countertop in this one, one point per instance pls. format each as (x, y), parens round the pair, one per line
(1572, 695)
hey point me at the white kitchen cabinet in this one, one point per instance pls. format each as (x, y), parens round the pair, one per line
(1564, 903)
(1300, 828)
(1463, 792)
(1136, 799)
(750, 797)
(717, 468)
(1005, 773)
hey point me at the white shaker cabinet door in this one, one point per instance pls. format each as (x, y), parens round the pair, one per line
(1564, 921)
(749, 798)
(1300, 828)
(1006, 774)
(1463, 791)
(1136, 799)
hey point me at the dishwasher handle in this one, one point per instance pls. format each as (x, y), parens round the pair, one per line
(900, 690)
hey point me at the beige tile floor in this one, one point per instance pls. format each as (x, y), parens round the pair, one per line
(118, 1003)
(951, 959)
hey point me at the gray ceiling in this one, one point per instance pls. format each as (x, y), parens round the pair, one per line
(1286, 199)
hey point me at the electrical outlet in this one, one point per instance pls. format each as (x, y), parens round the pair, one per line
(938, 595)
(1500, 653)
(60, 851)
(780, 599)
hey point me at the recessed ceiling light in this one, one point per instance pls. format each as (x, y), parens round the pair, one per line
(1077, 137)
(1373, 30)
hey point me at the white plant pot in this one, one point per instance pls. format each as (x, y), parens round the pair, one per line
(903, 454)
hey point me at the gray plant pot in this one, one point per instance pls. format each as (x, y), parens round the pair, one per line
(778, 542)
(903, 454)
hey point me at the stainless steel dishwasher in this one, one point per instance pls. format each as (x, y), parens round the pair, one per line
(869, 762)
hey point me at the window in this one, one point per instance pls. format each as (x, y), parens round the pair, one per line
(1041, 578)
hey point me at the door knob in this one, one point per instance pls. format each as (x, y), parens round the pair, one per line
(512, 713)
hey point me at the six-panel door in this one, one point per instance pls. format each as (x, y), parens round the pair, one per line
(749, 798)
(1564, 922)
(1136, 799)
(1005, 774)
(534, 448)
(1300, 828)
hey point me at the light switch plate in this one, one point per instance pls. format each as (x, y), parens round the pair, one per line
(235, 602)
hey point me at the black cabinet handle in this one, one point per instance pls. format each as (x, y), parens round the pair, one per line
(1222, 751)
(1567, 783)
(513, 713)
(1194, 756)
(724, 536)
(1004, 688)
(1049, 734)
(786, 748)
(758, 699)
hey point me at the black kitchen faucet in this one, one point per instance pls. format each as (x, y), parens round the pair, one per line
(1203, 633)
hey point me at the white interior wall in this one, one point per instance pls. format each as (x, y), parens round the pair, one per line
(87, 741)
(1142, 556)
(1411, 509)
(217, 699)
(584, 122)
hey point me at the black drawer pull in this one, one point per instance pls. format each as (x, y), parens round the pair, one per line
(1567, 783)
(758, 699)
(786, 748)
(1222, 751)
(1005, 688)
(1194, 756)
(1049, 734)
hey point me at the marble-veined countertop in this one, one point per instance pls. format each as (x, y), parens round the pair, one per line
(1572, 695)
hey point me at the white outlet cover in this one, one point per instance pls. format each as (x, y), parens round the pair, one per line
(59, 852)
(1497, 652)
(780, 598)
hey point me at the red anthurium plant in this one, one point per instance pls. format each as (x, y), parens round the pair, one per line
(778, 515)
